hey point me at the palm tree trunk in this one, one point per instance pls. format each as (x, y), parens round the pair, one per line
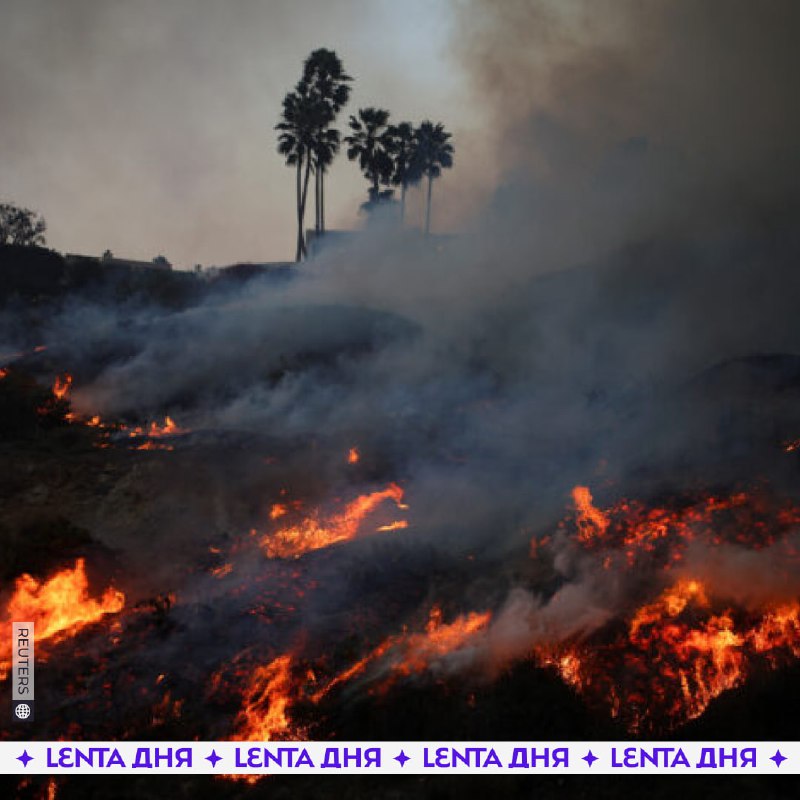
(402, 203)
(316, 200)
(303, 205)
(322, 201)
(299, 252)
(428, 207)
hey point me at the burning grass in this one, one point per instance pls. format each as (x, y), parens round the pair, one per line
(314, 531)
(58, 606)
(270, 692)
(660, 663)
(676, 640)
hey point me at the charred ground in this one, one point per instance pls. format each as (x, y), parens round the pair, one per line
(176, 516)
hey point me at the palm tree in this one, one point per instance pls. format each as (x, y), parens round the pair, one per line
(434, 153)
(405, 162)
(328, 84)
(370, 144)
(298, 126)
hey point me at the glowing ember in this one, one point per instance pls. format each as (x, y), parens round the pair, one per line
(313, 533)
(353, 456)
(397, 525)
(58, 607)
(150, 445)
(278, 510)
(222, 571)
(167, 708)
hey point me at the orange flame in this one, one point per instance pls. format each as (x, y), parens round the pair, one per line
(278, 510)
(592, 523)
(311, 533)
(61, 386)
(440, 639)
(410, 653)
(154, 430)
(267, 697)
(271, 690)
(169, 428)
(353, 456)
(58, 607)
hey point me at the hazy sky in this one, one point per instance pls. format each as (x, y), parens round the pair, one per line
(146, 126)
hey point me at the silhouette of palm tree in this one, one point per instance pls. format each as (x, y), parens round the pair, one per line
(296, 141)
(328, 85)
(403, 149)
(434, 152)
(369, 142)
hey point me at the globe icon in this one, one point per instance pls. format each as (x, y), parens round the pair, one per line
(23, 711)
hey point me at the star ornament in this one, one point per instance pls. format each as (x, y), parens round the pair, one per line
(402, 758)
(25, 758)
(590, 758)
(213, 758)
(778, 758)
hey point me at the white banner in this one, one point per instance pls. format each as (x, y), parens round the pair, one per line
(399, 758)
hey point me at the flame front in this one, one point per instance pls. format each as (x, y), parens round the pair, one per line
(59, 606)
(409, 653)
(421, 650)
(313, 533)
(674, 654)
(271, 690)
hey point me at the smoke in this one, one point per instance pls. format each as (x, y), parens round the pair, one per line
(639, 241)
(627, 120)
